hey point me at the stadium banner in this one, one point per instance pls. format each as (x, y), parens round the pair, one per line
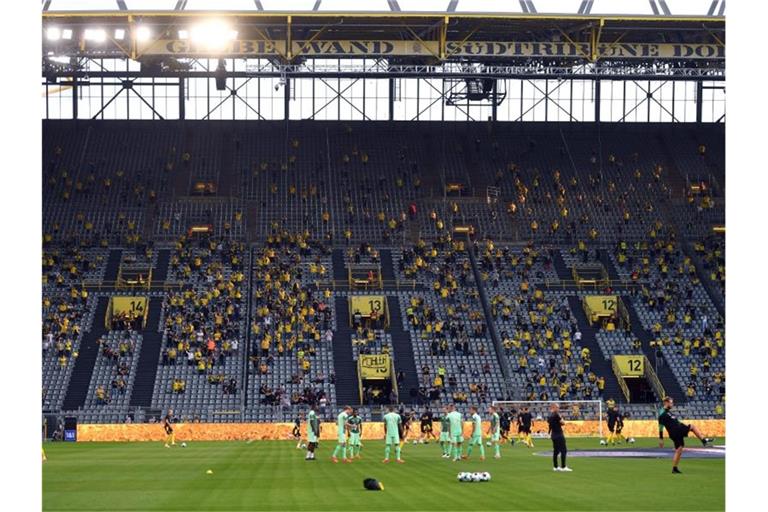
(367, 304)
(381, 47)
(118, 432)
(374, 367)
(630, 366)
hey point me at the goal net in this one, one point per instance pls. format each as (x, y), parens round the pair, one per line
(584, 416)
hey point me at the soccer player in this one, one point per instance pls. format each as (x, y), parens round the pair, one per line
(456, 428)
(445, 433)
(170, 437)
(494, 431)
(505, 423)
(677, 432)
(392, 425)
(313, 432)
(405, 425)
(612, 417)
(341, 425)
(355, 428)
(524, 421)
(297, 430)
(426, 426)
(477, 433)
(558, 438)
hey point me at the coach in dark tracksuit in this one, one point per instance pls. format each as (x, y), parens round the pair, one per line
(558, 438)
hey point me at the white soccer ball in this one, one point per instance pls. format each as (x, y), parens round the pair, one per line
(631, 440)
(602, 442)
(485, 476)
(487, 443)
(477, 477)
(463, 477)
(183, 445)
(303, 445)
(415, 441)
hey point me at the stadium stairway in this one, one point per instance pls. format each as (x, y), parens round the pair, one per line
(347, 388)
(403, 353)
(600, 365)
(149, 357)
(562, 270)
(113, 265)
(387, 268)
(339, 266)
(605, 259)
(80, 379)
(717, 298)
(160, 272)
(664, 372)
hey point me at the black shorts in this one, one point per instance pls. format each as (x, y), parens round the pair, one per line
(168, 430)
(679, 434)
(611, 426)
(524, 429)
(426, 428)
(296, 432)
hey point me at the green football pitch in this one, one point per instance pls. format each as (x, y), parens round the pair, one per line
(272, 475)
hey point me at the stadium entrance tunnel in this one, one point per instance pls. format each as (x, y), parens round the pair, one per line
(714, 452)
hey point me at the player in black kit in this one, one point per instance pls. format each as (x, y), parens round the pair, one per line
(297, 430)
(677, 432)
(505, 422)
(558, 438)
(426, 426)
(524, 421)
(170, 437)
(613, 417)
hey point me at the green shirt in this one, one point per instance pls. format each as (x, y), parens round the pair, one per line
(477, 425)
(495, 423)
(455, 420)
(445, 424)
(341, 422)
(312, 423)
(355, 423)
(392, 424)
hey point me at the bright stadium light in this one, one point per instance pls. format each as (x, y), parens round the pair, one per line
(119, 34)
(97, 35)
(213, 34)
(66, 33)
(183, 34)
(53, 34)
(142, 33)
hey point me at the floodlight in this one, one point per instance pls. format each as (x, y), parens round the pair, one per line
(66, 33)
(183, 34)
(53, 34)
(213, 34)
(119, 34)
(142, 33)
(95, 34)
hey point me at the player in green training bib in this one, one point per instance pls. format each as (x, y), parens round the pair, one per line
(456, 426)
(494, 431)
(477, 433)
(341, 425)
(313, 433)
(392, 426)
(445, 433)
(355, 428)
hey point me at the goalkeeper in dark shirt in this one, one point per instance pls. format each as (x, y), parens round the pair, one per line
(677, 432)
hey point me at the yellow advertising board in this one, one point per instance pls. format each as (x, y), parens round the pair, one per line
(630, 366)
(366, 304)
(130, 305)
(374, 366)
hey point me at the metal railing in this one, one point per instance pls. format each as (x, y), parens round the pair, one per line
(650, 376)
(620, 379)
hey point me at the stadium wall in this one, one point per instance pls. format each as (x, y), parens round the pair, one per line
(277, 431)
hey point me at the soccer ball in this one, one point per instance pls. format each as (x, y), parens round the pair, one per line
(487, 443)
(183, 445)
(415, 441)
(464, 477)
(602, 442)
(485, 476)
(631, 440)
(303, 445)
(477, 477)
